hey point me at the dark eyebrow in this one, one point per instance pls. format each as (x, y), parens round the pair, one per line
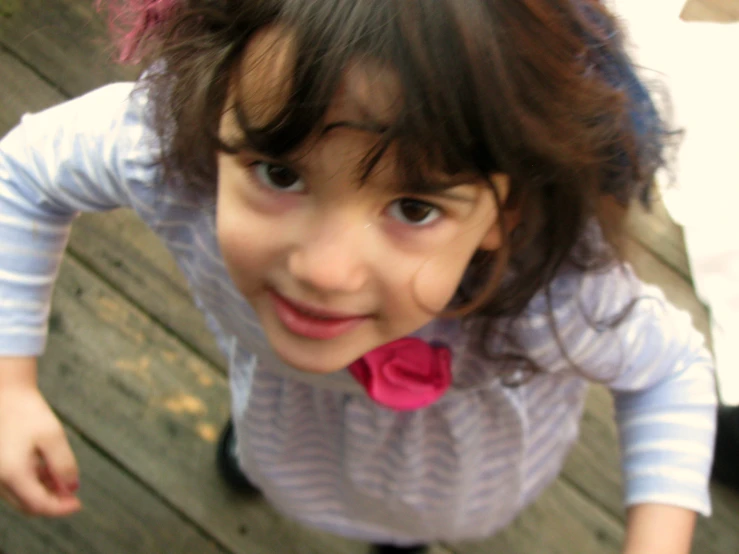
(443, 187)
(428, 185)
(241, 142)
(370, 127)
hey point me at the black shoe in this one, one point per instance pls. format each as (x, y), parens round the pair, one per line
(726, 461)
(227, 462)
(389, 549)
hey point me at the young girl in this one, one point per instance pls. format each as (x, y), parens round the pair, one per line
(390, 214)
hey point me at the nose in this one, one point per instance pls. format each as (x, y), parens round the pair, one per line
(331, 256)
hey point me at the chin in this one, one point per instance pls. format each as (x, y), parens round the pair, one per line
(308, 362)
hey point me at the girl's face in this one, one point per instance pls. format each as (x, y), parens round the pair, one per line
(333, 264)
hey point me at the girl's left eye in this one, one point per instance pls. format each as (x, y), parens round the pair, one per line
(414, 212)
(278, 177)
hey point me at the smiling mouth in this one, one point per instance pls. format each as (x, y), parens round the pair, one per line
(311, 322)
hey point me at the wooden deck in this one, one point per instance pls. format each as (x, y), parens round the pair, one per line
(141, 386)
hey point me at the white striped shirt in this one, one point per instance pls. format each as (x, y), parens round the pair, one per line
(319, 448)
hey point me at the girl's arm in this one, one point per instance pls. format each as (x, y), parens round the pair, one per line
(665, 401)
(83, 155)
(74, 157)
(659, 529)
(624, 333)
(665, 398)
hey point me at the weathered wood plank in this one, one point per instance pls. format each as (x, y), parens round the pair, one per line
(593, 466)
(562, 521)
(719, 534)
(150, 404)
(657, 232)
(119, 516)
(119, 247)
(65, 41)
(650, 269)
(21, 90)
(711, 10)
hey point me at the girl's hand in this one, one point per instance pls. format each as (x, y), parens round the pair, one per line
(38, 471)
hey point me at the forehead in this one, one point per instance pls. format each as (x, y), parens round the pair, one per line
(263, 113)
(368, 93)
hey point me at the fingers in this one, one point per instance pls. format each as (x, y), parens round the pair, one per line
(31, 497)
(57, 465)
(38, 471)
(43, 482)
(27, 493)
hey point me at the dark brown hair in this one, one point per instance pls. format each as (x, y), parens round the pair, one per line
(541, 90)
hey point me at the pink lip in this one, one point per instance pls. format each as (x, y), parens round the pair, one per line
(311, 322)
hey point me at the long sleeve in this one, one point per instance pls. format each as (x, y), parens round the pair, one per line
(666, 409)
(623, 333)
(83, 155)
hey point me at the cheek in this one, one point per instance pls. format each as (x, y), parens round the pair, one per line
(438, 278)
(235, 247)
(238, 232)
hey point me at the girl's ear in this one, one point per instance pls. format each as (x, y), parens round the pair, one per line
(505, 220)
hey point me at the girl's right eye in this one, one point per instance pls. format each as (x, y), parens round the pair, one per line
(277, 177)
(416, 213)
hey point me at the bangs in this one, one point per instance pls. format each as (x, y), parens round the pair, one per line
(542, 91)
(433, 129)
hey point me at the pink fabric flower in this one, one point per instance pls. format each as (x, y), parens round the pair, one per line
(406, 374)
